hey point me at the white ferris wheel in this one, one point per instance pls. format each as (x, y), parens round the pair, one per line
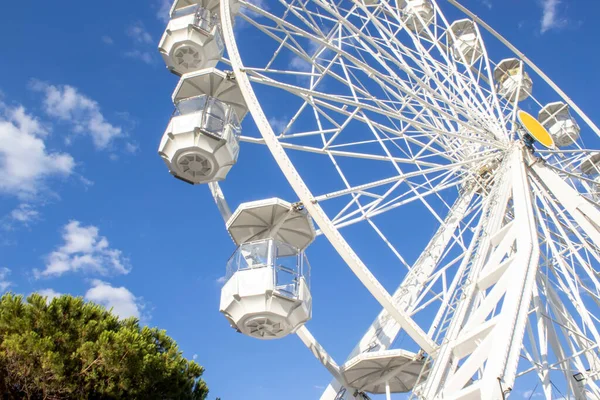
(377, 111)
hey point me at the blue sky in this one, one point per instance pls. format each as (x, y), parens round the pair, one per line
(88, 208)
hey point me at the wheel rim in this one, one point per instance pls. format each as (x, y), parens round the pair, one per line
(492, 143)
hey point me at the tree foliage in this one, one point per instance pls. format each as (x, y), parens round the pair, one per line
(70, 349)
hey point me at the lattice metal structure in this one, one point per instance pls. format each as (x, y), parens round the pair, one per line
(382, 113)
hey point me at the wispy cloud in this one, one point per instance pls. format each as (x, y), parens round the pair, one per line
(84, 249)
(141, 55)
(120, 299)
(25, 214)
(49, 294)
(164, 8)
(132, 148)
(26, 162)
(279, 124)
(551, 18)
(137, 31)
(143, 43)
(301, 64)
(260, 4)
(107, 40)
(68, 104)
(4, 283)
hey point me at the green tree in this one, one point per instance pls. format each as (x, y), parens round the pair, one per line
(70, 349)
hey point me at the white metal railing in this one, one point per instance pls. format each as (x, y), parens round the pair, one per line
(215, 117)
(201, 17)
(289, 264)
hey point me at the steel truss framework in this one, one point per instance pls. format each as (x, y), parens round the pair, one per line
(507, 288)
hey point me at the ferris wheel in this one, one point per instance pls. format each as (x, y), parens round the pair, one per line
(380, 113)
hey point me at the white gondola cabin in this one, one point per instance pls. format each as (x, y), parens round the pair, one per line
(212, 5)
(465, 43)
(267, 289)
(416, 14)
(591, 168)
(512, 80)
(193, 39)
(201, 143)
(591, 165)
(557, 119)
(391, 371)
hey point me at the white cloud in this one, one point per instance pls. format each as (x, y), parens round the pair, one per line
(144, 49)
(487, 3)
(242, 24)
(84, 249)
(25, 162)
(221, 280)
(279, 124)
(4, 283)
(259, 3)
(137, 31)
(550, 16)
(26, 122)
(195, 357)
(299, 64)
(107, 40)
(262, 4)
(121, 300)
(67, 104)
(164, 9)
(141, 55)
(131, 148)
(49, 294)
(24, 213)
